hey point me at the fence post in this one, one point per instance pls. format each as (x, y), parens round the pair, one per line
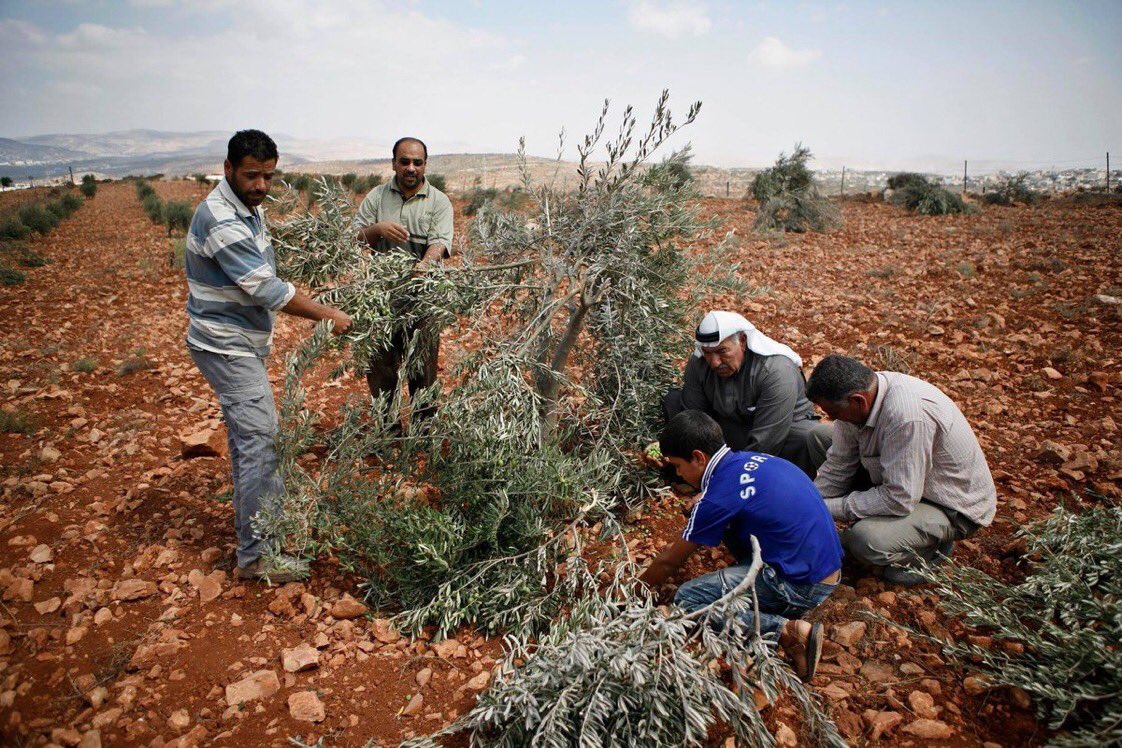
(1108, 172)
(964, 177)
(843, 182)
(727, 187)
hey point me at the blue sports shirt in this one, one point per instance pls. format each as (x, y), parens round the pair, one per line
(749, 493)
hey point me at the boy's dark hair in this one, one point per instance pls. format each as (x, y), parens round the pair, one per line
(408, 139)
(836, 378)
(690, 430)
(250, 143)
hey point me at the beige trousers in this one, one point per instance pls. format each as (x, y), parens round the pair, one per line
(899, 541)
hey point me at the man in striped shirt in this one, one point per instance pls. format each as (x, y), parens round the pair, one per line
(234, 295)
(928, 481)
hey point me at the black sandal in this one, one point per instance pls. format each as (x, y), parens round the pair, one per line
(813, 651)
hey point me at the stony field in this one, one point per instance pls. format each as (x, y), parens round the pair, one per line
(120, 623)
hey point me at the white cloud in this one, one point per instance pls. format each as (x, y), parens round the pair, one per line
(92, 37)
(672, 19)
(311, 65)
(510, 64)
(20, 33)
(773, 53)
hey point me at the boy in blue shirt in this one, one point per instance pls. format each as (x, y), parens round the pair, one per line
(744, 494)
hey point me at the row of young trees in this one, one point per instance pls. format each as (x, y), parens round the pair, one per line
(40, 216)
(175, 214)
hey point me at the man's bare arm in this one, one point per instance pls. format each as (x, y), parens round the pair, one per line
(302, 305)
(669, 561)
(434, 254)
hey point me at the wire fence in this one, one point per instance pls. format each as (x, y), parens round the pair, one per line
(976, 176)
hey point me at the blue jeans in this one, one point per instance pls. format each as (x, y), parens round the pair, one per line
(780, 600)
(243, 390)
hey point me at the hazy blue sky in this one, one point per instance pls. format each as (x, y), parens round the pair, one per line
(901, 84)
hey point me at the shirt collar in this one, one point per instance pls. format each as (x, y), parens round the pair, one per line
(239, 207)
(882, 392)
(423, 191)
(724, 450)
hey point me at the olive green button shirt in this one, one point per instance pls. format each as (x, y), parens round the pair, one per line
(427, 216)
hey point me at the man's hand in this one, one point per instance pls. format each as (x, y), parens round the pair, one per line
(342, 322)
(668, 562)
(388, 230)
(302, 305)
(433, 254)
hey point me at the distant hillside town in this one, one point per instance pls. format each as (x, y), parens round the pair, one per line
(1040, 180)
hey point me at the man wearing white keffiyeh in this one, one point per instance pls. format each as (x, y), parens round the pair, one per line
(754, 388)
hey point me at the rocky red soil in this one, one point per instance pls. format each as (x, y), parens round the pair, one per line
(121, 625)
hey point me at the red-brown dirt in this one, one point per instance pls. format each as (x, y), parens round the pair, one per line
(998, 309)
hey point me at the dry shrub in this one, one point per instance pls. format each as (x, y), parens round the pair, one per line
(919, 195)
(789, 200)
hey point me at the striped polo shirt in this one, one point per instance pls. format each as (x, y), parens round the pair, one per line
(234, 291)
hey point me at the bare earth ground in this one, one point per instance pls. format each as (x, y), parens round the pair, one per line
(119, 624)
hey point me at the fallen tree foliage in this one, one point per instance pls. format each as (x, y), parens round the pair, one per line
(458, 522)
(1055, 634)
(619, 671)
(789, 199)
(478, 515)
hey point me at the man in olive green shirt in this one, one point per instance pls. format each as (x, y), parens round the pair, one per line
(407, 213)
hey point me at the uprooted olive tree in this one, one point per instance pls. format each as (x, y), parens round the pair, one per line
(1053, 635)
(479, 515)
(789, 199)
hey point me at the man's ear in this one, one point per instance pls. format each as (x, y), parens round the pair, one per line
(861, 401)
(698, 457)
(228, 168)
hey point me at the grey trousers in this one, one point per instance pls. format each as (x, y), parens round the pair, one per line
(899, 541)
(806, 444)
(243, 390)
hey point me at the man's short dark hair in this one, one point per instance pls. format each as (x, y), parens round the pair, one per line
(408, 139)
(690, 430)
(250, 143)
(836, 378)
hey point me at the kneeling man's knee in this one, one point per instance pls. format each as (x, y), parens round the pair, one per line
(694, 594)
(863, 542)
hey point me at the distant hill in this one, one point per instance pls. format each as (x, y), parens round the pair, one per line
(137, 143)
(117, 154)
(17, 152)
